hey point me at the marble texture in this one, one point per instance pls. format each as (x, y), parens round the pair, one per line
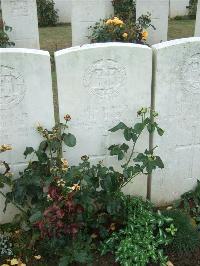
(100, 85)
(178, 8)
(177, 97)
(25, 99)
(159, 10)
(197, 25)
(94, 10)
(21, 15)
(64, 8)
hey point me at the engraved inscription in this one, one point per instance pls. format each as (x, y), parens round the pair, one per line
(20, 8)
(105, 77)
(191, 74)
(12, 87)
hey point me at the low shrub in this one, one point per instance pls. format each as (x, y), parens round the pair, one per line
(116, 30)
(142, 239)
(65, 211)
(190, 203)
(193, 8)
(187, 237)
(4, 39)
(125, 9)
(47, 14)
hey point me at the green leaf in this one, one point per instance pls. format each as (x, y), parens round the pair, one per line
(121, 125)
(35, 217)
(64, 261)
(151, 127)
(128, 133)
(138, 127)
(124, 147)
(159, 162)
(160, 131)
(43, 145)
(69, 139)
(28, 151)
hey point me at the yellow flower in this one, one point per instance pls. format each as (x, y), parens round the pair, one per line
(144, 35)
(109, 21)
(115, 21)
(112, 227)
(125, 35)
(65, 164)
(76, 187)
(5, 147)
(14, 262)
(94, 235)
(38, 257)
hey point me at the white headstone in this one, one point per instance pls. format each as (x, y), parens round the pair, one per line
(21, 15)
(100, 85)
(86, 13)
(159, 10)
(178, 8)
(177, 98)
(197, 26)
(25, 99)
(64, 10)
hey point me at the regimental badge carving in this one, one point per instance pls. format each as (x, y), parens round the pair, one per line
(12, 87)
(191, 74)
(105, 77)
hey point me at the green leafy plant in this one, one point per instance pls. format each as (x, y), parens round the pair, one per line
(47, 14)
(193, 8)
(190, 203)
(145, 162)
(125, 9)
(116, 30)
(187, 237)
(142, 239)
(4, 39)
(72, 208)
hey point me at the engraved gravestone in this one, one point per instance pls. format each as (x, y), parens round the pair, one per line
(100, 85)
(178, 8)
(177, 97)
(94, 10)
(25, 99)
(159, 10)
(21, 16)
(197, 25)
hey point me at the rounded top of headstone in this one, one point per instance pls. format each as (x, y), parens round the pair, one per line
(24, 51)
(100, 45)
(175, 42)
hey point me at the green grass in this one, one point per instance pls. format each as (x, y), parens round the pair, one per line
(181, 29)
(55, 38)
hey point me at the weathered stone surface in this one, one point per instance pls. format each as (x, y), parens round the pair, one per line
(177, 97)
(25, 99)
(197, 25)
(159, 10)
(100, 85)
(21, 15)
(94, 10)
(178, 8)
(64, 8)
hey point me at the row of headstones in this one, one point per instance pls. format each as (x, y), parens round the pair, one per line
(21, 15)
(99, 9)
(64, 8)
(100, 85)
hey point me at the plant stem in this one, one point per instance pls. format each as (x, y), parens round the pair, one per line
(19, 208)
